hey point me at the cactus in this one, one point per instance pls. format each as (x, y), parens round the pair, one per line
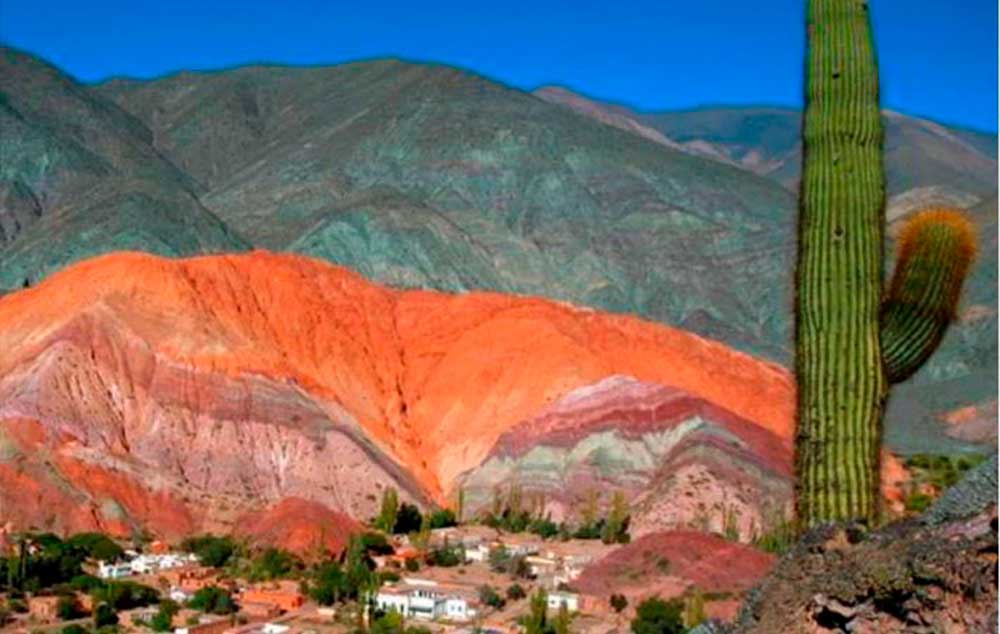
(936, 249)
(843, 362)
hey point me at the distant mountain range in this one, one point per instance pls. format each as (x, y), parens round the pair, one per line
(424, 176)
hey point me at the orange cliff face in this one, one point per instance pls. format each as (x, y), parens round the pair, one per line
(261, 376)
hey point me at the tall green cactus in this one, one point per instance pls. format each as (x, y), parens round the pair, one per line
(843, 374)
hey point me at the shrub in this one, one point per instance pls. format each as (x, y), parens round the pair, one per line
(212, 551)
(105, 615)
(212, 599)
(443, 519)
(489, 596)
(656, 616)
(67, 608)
(618, 602)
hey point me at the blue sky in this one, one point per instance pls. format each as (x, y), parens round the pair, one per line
(938, 57)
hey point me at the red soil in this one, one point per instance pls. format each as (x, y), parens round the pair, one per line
(301, 526)
(670, 562)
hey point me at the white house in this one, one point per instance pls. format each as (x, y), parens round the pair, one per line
(113, 570)
(559, 598)
(479, 552)
(178, 595)
(422, 599)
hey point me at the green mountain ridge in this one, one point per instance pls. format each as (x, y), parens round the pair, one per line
(79, 177)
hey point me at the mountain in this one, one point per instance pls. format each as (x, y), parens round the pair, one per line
(926, 164)
(683, 461)
(427, 176)
(184, 395)
(80, 176)
(767, 142)
(423, 176)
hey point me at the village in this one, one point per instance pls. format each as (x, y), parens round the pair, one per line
(447, 579)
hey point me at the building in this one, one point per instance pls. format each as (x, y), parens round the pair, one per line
(133, 618)
(542, 566)
(479, 553)
(145, 564)
(560, 598)
(214, 626)
(427, 600)
(283, 600)
(114, 570)
(178, 595)
(259, 611)
(44, 608)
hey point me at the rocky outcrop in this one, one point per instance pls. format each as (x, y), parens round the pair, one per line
(679, 460)
(935, 573)
(223, 384)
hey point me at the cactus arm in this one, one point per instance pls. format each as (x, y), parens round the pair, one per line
(936, 249)
(841, 382)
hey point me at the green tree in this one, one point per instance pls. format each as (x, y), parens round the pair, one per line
(615, 530)
(536, 621)
(694, 610)
(104, 615)
(408, 520)
(389, 623)
(561, 623)
(274, 563)
(212, 599)
(618, 602)
(211, 550)
(389, 511)
(489, 596)
(329, 584)
(443, 518)
(67, 608)
(74, 629)
(163, 620)
(515, 592)
(96, 546)
(656, 616)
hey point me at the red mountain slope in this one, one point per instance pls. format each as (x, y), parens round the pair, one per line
(219, 385)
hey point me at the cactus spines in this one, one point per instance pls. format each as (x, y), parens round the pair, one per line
(936, 249)
(841, 383)
(849, 343)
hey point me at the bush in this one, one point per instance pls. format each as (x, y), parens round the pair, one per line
(375, 543)
(618, 602)
(443, 519)
(105, 615)
(274, 563)
(212, 551)
(164, 618)
(412, 565)
(214, 600)
(408, 520)
(96, 546)
(656, 616)
(489, 596)
(329, 584)
(515, 592)
(445, 557)
(74, 629)
(122, 595)
(67, 608)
